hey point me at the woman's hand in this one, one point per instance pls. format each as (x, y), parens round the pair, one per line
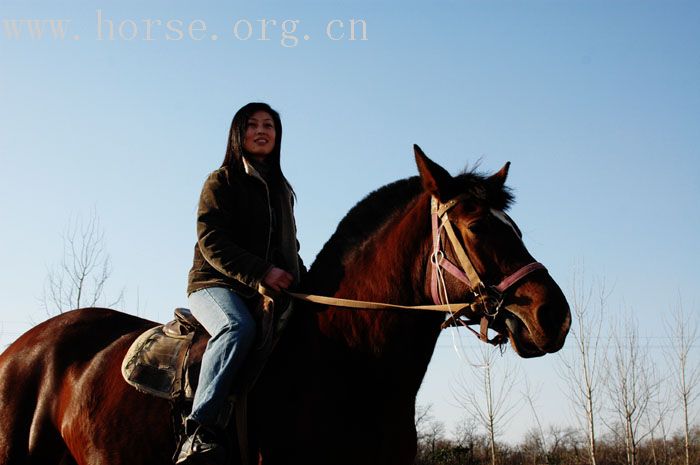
(277, 279)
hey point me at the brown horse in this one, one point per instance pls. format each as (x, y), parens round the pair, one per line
(340, 387)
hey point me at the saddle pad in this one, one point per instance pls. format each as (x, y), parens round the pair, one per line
(154, 363)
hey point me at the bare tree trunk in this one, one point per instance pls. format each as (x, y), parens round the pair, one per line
(659, 411)
(631, 445)
(581, 369)
(683, 333)
(490, 403)
(632, 385)
(490, 412)
(530, 398)
(664, 443)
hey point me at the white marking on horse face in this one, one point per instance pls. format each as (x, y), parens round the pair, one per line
(504, 218)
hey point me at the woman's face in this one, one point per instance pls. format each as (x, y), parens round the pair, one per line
(260, 135)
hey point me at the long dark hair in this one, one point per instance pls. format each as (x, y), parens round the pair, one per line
(235, 151)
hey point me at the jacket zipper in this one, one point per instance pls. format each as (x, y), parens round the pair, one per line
(269, 213)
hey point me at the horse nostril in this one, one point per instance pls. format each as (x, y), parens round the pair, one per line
(545, 315)
(554, 320)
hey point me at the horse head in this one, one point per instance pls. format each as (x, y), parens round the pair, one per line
(516, 296)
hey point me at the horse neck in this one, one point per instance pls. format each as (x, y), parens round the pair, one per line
(388, 267)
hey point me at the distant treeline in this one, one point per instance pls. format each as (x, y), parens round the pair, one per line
(557, 447)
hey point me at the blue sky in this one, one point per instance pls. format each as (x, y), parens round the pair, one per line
(596, 104)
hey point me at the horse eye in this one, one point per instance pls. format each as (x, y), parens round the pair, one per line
(476, 227)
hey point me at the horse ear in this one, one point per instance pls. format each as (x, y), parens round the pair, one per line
(434, 177)
(500, 177)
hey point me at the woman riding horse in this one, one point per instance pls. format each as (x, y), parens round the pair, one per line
(340, 388)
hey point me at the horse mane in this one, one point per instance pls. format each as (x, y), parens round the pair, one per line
(371, 213)
(365, 218)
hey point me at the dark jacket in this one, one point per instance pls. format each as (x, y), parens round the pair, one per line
(234, 233)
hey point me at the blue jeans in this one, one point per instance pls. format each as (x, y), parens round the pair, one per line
(227, 319)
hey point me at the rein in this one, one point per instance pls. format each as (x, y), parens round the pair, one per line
(487, 300)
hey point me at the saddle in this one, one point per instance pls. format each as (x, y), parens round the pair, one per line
(165, 360)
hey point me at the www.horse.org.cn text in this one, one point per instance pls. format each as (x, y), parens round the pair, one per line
(287, 33)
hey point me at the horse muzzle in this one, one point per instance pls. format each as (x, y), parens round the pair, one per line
(537, 320)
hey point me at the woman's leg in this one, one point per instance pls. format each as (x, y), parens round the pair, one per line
(227, 319)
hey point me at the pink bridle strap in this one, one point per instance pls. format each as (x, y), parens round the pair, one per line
(438, 259)
(452, 269)
(513, 278)
(437, 256)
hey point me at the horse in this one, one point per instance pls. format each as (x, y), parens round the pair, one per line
(340, 387)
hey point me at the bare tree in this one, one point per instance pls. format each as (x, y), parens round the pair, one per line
(423, 416)
(537, 441)
(430, 433)
(543, 448)
(532, 447)
(659, 414)
(682, 331)
(79, 279)
(435, 432)
(582, 367)
(465, 433)
(632, 385)
(485, 395)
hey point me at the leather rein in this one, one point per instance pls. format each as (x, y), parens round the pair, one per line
(485, 303)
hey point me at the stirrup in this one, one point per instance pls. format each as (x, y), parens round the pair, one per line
(198, 448)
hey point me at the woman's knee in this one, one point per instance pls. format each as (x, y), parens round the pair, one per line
(239, 333)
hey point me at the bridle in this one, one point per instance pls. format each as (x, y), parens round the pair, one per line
(487, 300)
